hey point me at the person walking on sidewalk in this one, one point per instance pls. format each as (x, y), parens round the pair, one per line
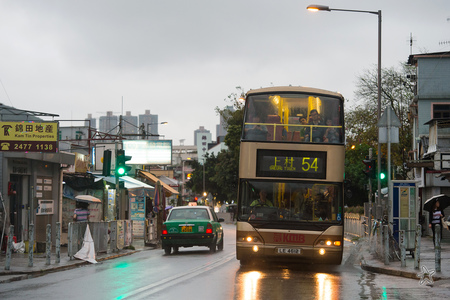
(81, 213)
(435, 217)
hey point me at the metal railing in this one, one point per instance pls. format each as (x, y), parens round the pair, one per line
(108, 236)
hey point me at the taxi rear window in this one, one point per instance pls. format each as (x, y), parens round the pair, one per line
(189, 214)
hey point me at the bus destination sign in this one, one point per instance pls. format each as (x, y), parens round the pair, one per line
(291, 164)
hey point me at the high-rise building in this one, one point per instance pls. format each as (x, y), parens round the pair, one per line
(90, 121)
(129, 124)
(149, 123)
(108, 123)
(221, 131)
(198, 131)
(202, 137)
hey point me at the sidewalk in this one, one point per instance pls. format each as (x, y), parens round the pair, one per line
(19, 268)
(370, 262)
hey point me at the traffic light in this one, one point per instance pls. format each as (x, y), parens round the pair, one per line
(370, 167)
(106, 160)
(383, 169)
(121, 159)
(196, 199)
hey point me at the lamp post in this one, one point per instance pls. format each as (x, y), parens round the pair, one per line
(184, 176)
(314, 7)
(150, 124)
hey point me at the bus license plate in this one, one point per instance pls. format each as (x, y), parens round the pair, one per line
(289, 251)
(186, 228)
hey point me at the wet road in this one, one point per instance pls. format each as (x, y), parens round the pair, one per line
(194, 273)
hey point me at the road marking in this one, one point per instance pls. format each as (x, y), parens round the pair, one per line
(144, 292)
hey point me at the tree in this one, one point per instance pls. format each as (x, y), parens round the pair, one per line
(361, 125)
(221, 172)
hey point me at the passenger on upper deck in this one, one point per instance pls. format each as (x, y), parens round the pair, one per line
(317, 132)
(332, 134)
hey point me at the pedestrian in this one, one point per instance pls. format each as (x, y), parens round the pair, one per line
(81, 213)
(435, 218)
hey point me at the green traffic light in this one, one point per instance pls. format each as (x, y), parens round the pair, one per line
(382, 175)
(121, 171)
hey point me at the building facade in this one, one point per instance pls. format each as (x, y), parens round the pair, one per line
(430, 112)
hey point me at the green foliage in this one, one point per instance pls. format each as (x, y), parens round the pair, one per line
(355, 210)
(362, 131)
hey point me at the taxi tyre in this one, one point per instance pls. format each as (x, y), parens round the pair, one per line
(167, 250)
(220, 246)
(212, 247)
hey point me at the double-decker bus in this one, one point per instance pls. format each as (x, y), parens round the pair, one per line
(291, 173)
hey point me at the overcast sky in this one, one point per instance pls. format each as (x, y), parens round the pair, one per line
(182, 58)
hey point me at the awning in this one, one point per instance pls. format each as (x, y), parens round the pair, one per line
(129, 182)
(167, 189)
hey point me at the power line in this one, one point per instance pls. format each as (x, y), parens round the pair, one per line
(6, 92)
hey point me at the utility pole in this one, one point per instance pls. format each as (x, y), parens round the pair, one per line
(370, 194)
(118, 193)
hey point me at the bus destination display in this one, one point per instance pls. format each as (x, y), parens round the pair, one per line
(294, 164)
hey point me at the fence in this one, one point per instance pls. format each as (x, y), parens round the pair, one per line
(108, 236)
(356, 225)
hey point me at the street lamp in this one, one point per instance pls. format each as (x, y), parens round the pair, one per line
(150, 124)
(184, 176)
(314, 7)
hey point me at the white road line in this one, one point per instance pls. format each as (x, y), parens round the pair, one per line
(144, 292)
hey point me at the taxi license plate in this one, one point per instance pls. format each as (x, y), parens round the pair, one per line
(289, 251)
(186, 228)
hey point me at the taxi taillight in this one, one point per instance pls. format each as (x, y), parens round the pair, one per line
(164, 229)
(209, 228)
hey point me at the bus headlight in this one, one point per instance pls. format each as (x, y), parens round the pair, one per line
(255, 248)
(322, 251)
(251, 239)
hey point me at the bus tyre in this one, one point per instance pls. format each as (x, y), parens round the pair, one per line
(220, 246)
(245, 262)
(167, 250)
(175, 249)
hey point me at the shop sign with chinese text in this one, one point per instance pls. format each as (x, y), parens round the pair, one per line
(28, 136)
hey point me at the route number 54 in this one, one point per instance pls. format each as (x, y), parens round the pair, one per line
(309, 163)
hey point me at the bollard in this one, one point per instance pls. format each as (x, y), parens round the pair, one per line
(386, 244)
(113, 235)
(58, 243)
(417, 247)
(9, 246)
(437, 247)
(70, 241)
(30, 245)
(402, 248)
(48, 246)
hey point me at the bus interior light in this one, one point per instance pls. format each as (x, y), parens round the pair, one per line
(322, 251)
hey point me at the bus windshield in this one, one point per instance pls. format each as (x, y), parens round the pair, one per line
(293, 117)
(295, 201)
